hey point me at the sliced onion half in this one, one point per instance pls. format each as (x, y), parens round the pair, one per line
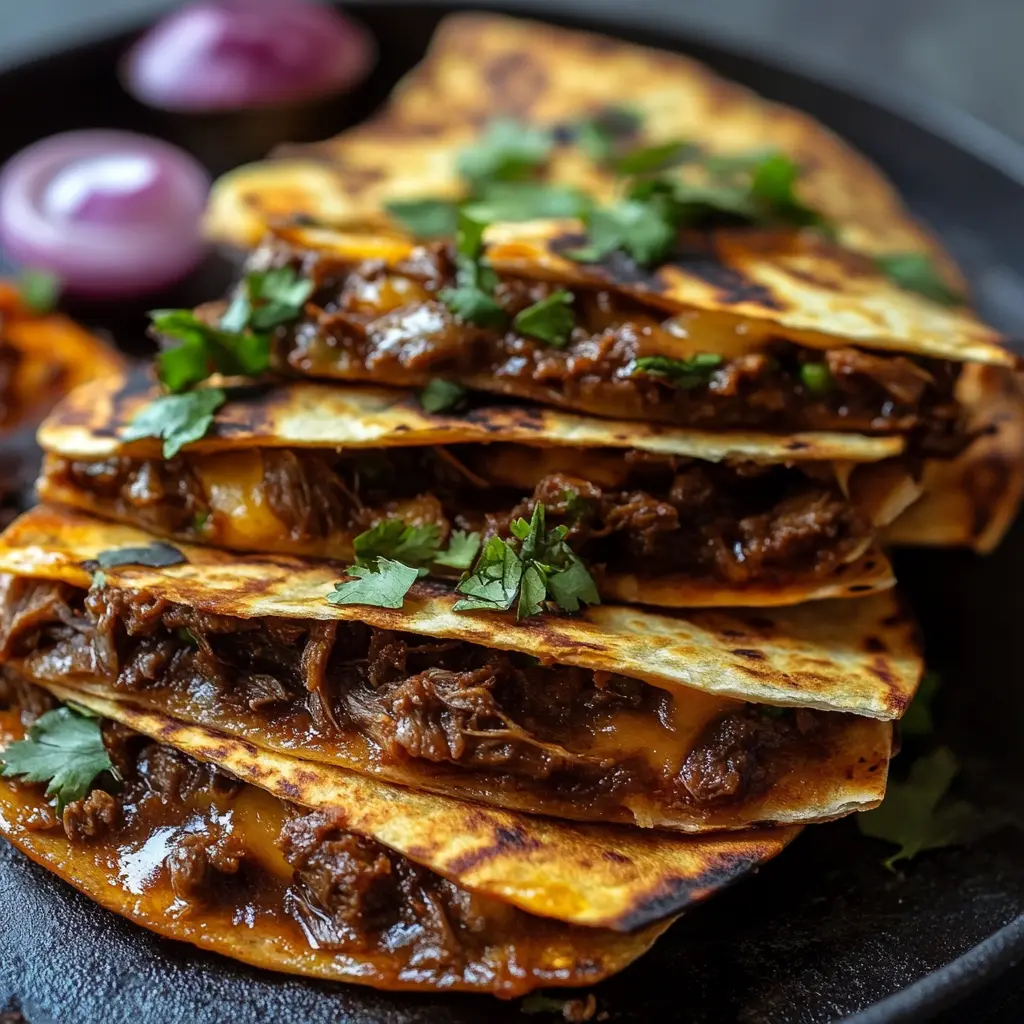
(110, 213)
(223, 55)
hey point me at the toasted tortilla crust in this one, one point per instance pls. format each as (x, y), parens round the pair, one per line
(56, 356)
(591, 875)
(972, 501)
(89, 424)
(856, 656)
(483, 66)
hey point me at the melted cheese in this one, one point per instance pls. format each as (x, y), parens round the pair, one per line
(240, 515)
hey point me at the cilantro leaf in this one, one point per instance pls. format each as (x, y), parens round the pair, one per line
(203, 349)
(507, 151)
(918, 721)
(817, 378)
(601, 135)
(63, 749)
(526, 200)
(157, 555)
(915, 817)
(772, 187)
(462, 549)
(916, 272)
(551, 320)
(425, 218)
(572, 585)
(527, 571)
(682, 373)
(440, 395)
(658, 157)
(383, 584)
(645, 230)
(471, 303)
(391, 538)
(177, 419)
(267, 299)
(494, 582)
(39, 290)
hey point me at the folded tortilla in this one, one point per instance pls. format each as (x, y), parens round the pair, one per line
(439, 718)
(483, 67)
(972, 501)
(567, 905)
(271, 453)
(480, 67)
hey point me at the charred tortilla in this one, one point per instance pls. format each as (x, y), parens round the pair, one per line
(618, 715)
(202, 829)
(665, 516)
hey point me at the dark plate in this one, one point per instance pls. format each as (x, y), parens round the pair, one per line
(822, 933)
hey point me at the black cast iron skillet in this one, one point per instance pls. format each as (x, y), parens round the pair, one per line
(823, 933)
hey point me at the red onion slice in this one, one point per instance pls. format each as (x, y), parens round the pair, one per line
(111, 213)
(238, 54)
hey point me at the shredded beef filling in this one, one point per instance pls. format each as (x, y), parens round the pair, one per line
(347, 892)
(370, 321)
(735, 524)
(417, 701)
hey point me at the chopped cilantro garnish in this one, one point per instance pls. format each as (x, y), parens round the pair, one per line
(507, 151)
(425, 218)
(63, 749)
(915, 816)
(550, 320)
(39, 290)
(817, 378)
(534, 567)
(645, 230)
(267, 299)
(416, 546)
(382, 584)
(682, 373)
(440, 395)
(462, 549)
(177, 419)
(526, 200)
(916, 272)
(658, 157)
(391, 538)
(203, 349)
(602, 134)
(758, 190)
(470, 299)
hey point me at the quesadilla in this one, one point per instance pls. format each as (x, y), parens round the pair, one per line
(188, 832)
(661, 516)
(711, 720)
(718, 262)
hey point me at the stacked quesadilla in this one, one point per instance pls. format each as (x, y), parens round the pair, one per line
(495, 572)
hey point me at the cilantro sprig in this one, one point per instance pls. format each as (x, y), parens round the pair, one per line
(392, 555)
(176, 419)
(917, 272)
(684, 374)
(440, 395)
(63, 749)
(267, 299)
(550, 320)
(471, 298)
(533, 568)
